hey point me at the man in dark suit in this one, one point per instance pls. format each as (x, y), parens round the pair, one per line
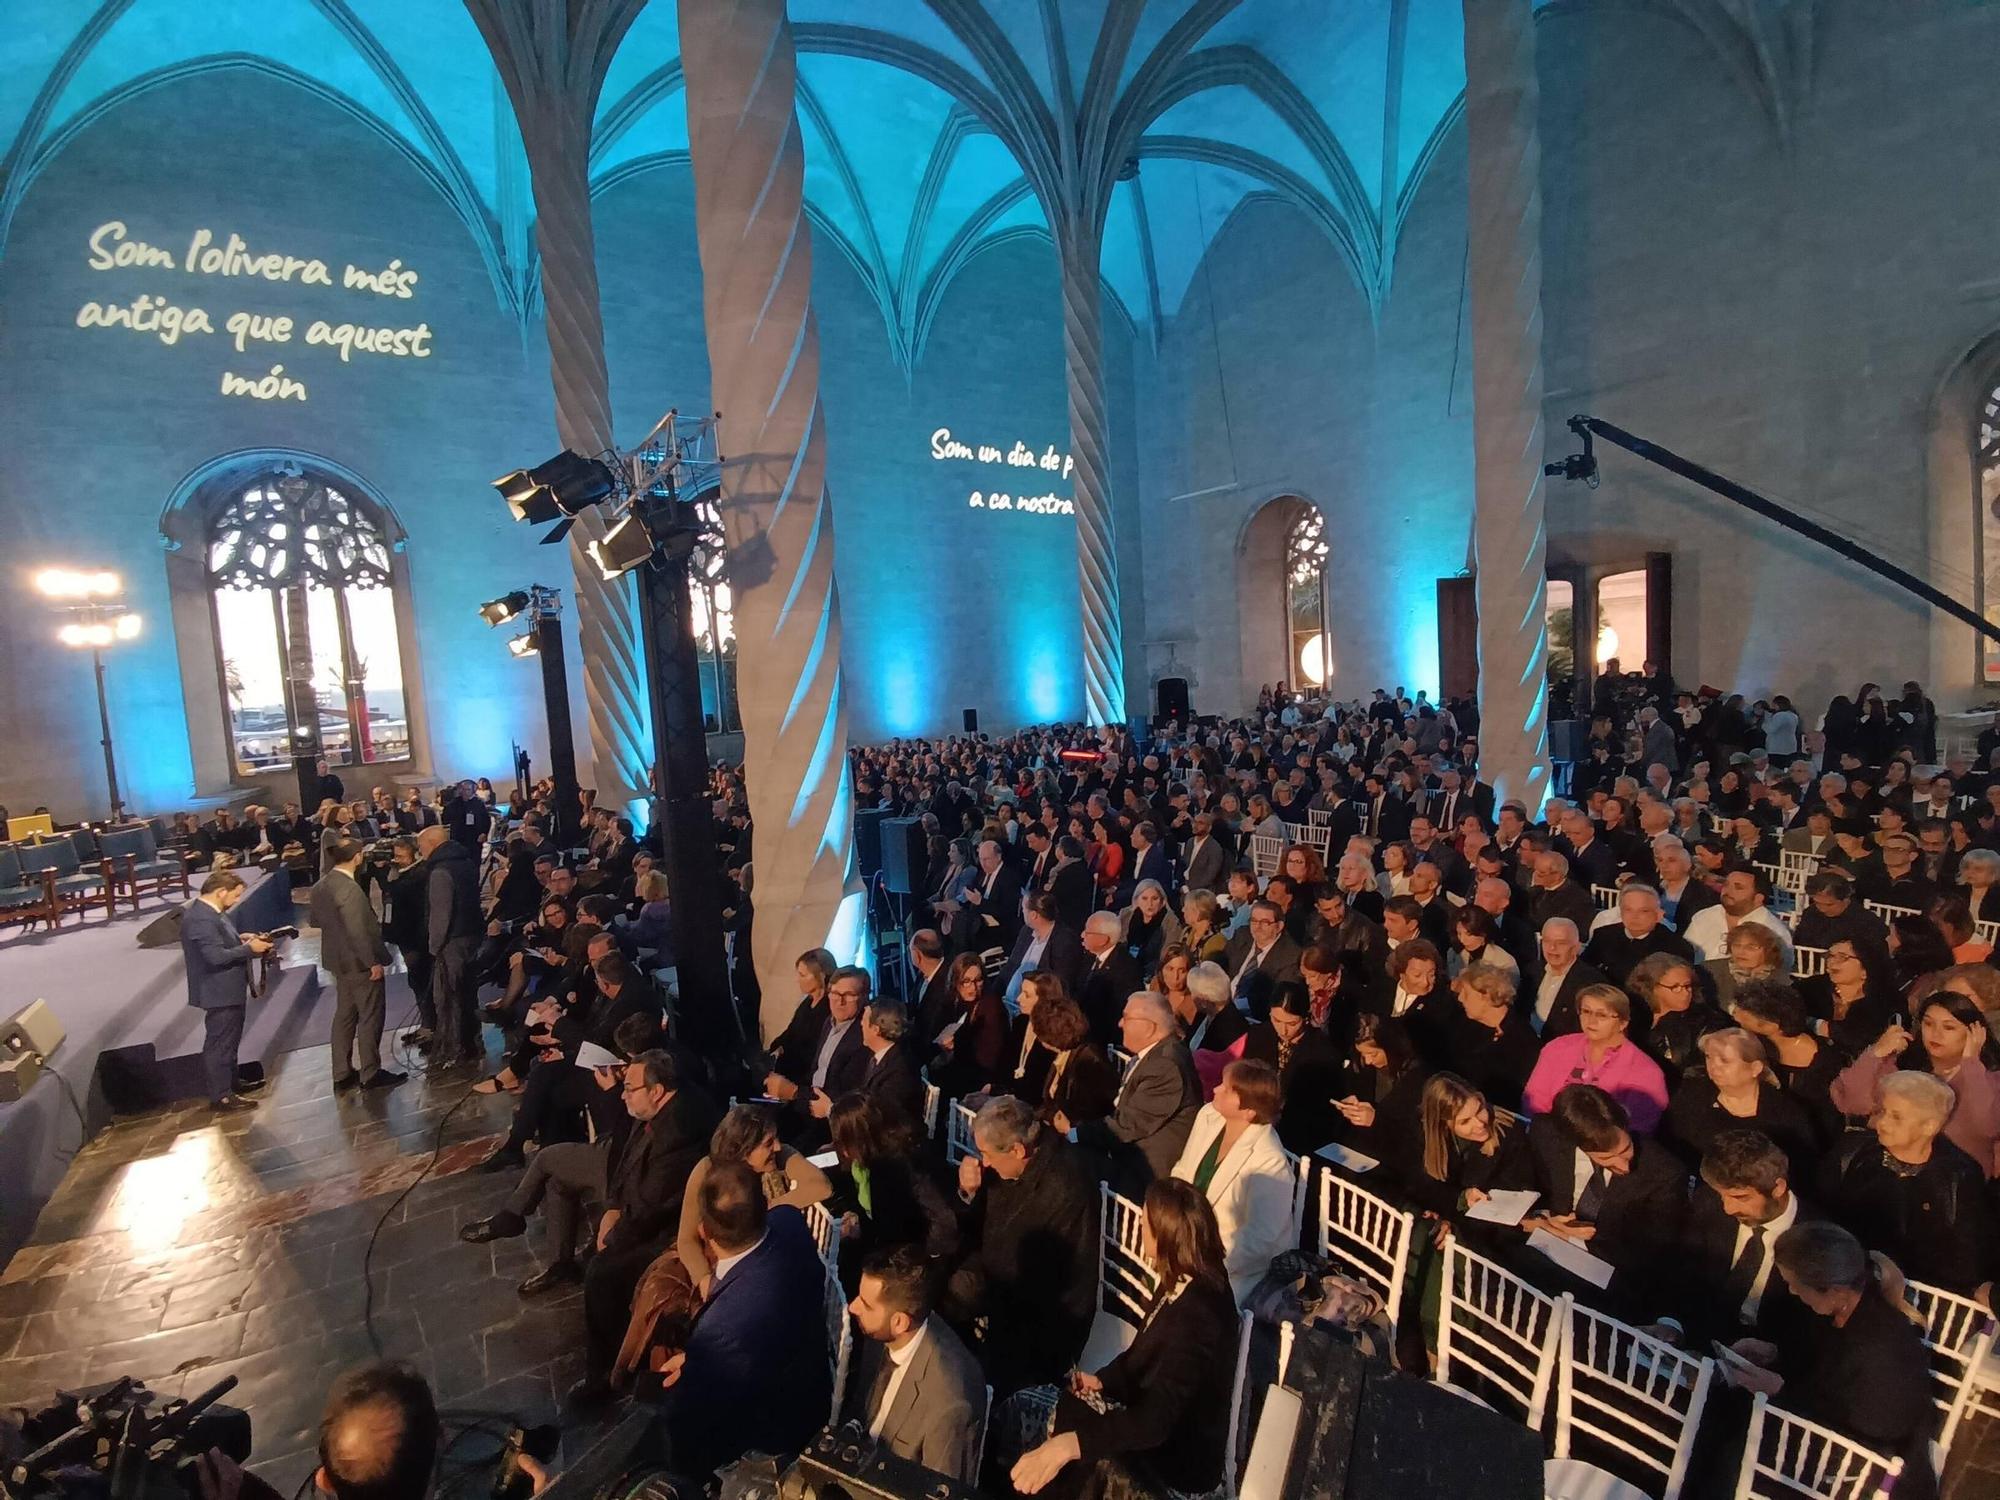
(1620, 1195)
(992, 904)
(1041, 862)
(1149, 858)
(351, 949)
(1156, 1103)
(834, 1061)
(1207, 860)
(1385, 816)
(1434, 909)
(914, 1387)
(1591, 860)
(1071, 885)
(1550, 1000)
(1727, 1285)
(754, 1374)
(466, 817)
(451, 908)
(1258, 957)
(936, 1005)
(1109, 975)
(645, 1182)
(406, 931)
(1553, 893)
(892, 1073)
(1640, 932)
(1031, 1217)
(218, 976)
(1045, 945)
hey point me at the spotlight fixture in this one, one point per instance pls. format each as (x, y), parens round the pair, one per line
(524, 645)
(625, 546)
(506, 607)
(567, 485)
(77, 584)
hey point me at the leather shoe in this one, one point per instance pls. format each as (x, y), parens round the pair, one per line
(501, 1226)
(507, 1158)
(384, 1079)
(232, 1104)
(592, 1391)
(345, 1082)
(556, 1274)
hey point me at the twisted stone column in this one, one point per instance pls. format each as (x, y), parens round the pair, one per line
(1097, 562)
(552, 74)
(763, 347)
(1509, 537)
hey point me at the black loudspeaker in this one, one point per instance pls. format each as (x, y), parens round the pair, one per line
(868, 841)
(1566, 740)
(1366, 1432)
(164, 931)
(905, 857)
(1172, 694)
(972, 721)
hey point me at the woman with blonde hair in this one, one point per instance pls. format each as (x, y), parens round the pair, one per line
(1738, 1091)
(1201, 925)
(1148, 925)
(1469, 1152)
(1600, 1052)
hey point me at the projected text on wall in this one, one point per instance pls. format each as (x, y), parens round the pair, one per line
(177, 318)
(946, 448)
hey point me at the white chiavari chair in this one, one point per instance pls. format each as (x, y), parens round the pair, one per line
(1497, 1336)
(1959, 1334)
(1788, 1458)
(1636, 1399)
(1369, 1236)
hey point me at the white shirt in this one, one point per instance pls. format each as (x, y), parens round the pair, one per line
(1545, 996)
(899, 1363)
(826, 1050)
(1772, 1230)
(1708, 933)
(728, 1262)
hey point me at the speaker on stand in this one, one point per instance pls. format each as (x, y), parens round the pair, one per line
(1171, 698)
(972, 721)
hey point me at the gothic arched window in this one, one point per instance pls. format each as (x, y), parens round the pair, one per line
(1988, 460)
(1310, 659)
(299, 577)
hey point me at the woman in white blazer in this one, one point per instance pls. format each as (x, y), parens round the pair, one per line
(1234, 1159)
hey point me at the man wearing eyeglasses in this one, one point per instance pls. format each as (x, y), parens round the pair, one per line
(648, 1176)
(1259, 957)
(1639, 930)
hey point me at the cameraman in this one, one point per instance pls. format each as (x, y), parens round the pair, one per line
(406, 929)
(378, 1440)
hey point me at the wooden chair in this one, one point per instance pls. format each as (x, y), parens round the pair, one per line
(23, 897)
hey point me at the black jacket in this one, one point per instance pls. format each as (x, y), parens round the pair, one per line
(1033, 1270)
(407, 927)
(1102, 990)
(1639, 1220)
(1308, 1083)
(1701, 1272)
(648, 1172)
(451, 898)
(894, 1078)
(467, 821)
(1171, 1391)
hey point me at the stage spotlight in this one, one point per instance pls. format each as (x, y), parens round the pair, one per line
(70, 583)
(125, 626)
(621, 549)
(524, 645)
(566, 485)
(506, 607)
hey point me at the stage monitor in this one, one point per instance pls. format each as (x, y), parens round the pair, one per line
(33, 1028)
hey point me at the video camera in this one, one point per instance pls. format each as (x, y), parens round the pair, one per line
(112, 1441)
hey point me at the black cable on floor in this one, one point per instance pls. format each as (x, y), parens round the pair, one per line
(82, 1125)
(368, 1258)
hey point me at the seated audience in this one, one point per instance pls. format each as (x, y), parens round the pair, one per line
(1952, 1036)
(1235, 1160)
(1638, 932)
(1488, 1042)
(1466, 1155)
(1156, 1102)
(1307, 1064)
(1029, 1274)
(913, 1386)
(830, 1061)
(891, 1188)
(1618, 1194)
(1726, 1285)
(1218, 1023)
(1082, 1084)
(1383, 1081)
(1737, 1091)
(969, 1051)
(1670, 1015)
(1601, 1054)
(893, 1074)
(755, 1375)
(1160, 1422)
(1752, 953)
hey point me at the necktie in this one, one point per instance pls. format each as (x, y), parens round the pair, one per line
(1742, 1277)
(878, 1416)
(1249, 968)
(1591, 1199)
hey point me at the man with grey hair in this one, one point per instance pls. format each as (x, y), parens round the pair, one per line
(1157, 1099)
(992, 914)
(1681, 895)
(1553, 1008)
(1217, 1022)
(1553, 894)
(1637, 929)
(893, 1073)
(1109, 974)
(1031, 1206)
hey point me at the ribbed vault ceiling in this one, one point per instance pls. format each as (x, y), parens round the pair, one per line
(931, 127)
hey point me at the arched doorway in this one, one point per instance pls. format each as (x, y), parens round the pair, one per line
(1281, 597)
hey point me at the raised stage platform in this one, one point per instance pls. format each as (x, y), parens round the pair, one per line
(110, 993)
